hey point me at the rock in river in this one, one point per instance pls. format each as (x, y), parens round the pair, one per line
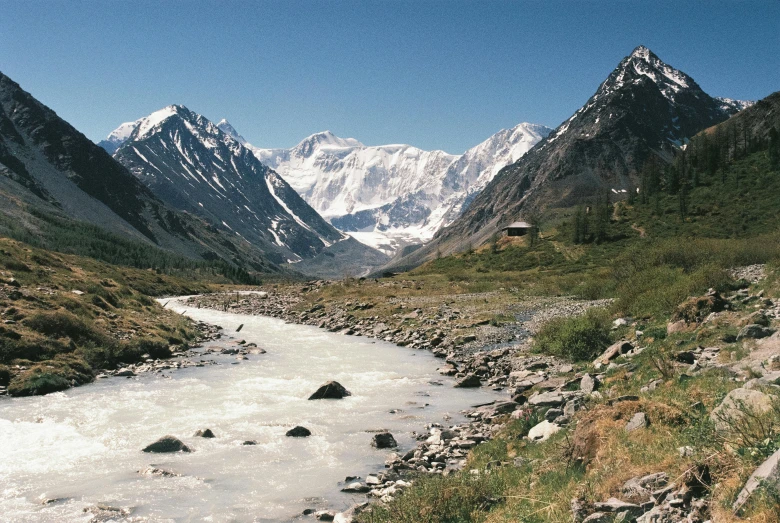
(204, 434)
(472, 380)
(384, 440)
(167, 444)
(298, 432)
(330, 390)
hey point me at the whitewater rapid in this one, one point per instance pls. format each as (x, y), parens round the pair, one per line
(82, 446)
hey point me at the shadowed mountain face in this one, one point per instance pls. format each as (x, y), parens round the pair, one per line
(194, 166)
(47, 166)
(645, 107)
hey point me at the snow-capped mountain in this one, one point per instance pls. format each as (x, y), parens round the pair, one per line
(388, 196)
(50, 173)
(118, 136)
(644, 108)
(194, 166)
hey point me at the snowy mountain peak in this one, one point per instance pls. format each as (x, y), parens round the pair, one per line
(123, 132)
(197, 167)
(118, 136)
(148, 124)
(327, 139)
(228, 129)
(642, 52)
(390, 195)
(643, 64)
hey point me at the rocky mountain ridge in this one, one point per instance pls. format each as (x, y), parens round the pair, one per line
(644, 108)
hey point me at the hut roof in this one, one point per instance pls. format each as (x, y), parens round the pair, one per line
(517, 225)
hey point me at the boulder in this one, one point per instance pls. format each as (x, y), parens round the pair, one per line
(356, 488)
(679, 326)
(330, 390)
(616, 506)
(638, 421)
(589, 383)
(754, 331)
(732, 408)
(547, 399)
(612, 352)
(298, 432)
(543, 431)
(641, 487)
(756, 318)
(204, 434)
(167, 444)
(767, 475)
(470, 381)
(383, 440)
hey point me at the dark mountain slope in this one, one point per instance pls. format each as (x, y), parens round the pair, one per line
(645, 107)
(194, 166)
(49, 168)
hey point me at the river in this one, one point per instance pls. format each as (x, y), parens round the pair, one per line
(83, 446)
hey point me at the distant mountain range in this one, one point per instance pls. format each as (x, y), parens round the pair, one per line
(644, 108)
(176, 182)
(194, 166)
(388, 196)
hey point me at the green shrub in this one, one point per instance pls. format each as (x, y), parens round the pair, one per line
(575, 338)
(61, 324)
(38, 384)
(5, 376)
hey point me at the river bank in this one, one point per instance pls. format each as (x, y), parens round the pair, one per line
(255, 392)
(476, 352)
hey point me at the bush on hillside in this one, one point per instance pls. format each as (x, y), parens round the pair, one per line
(575, 338)
(62, 324)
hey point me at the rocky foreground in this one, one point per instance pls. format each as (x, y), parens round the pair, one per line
(549, 392)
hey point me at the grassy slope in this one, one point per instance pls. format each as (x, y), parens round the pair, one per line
(649, 273)
(52, 338)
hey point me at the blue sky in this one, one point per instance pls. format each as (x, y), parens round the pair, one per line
(439, 75)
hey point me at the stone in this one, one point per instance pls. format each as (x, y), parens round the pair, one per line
(204, 434)
(588, 383)
(356, 487)
(470, 381)
(754, 331)
(553, 414)
(546, 399)
(124, 373)
(732, 408)
(298, 432)
(642, 487)
(615, 506)
(249, 442)
(543, 431)
(167, 444)
(767, 474)
(756, 318)
(383, 440)
(612, 352)
(685, 356)
(679, 326)
(324, 515)
(330, 390)
(639, 421)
